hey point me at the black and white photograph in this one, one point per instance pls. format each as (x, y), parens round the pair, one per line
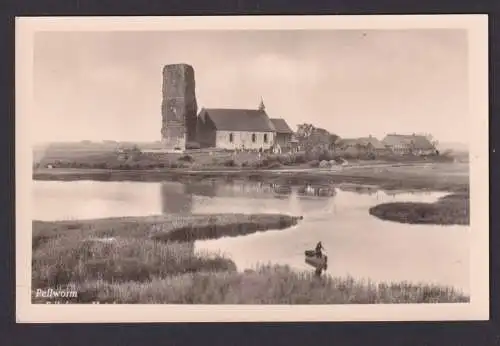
(244, 168)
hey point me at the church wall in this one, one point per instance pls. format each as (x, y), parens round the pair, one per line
(244, 140)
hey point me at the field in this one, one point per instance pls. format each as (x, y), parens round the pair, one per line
(143, 157)
(124, 261)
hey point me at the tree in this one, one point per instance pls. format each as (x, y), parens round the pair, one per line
(431, 139)
(311, 137)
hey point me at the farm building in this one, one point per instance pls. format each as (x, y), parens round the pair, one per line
(409, 144)
(361, 145)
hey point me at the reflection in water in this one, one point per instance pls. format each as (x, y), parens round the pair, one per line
(174, 199)
(357, 243)
(361, 189)
(206, 188)
(317, 190)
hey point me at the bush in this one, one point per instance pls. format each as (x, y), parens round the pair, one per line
(186, 158)
(326, 156)
(229, 163)
(314, 163)
(298, 158)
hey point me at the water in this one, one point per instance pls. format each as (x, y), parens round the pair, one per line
(357, 243)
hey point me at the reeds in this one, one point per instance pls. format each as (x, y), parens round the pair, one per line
(122, 260)
(266, 285)
(164, 227)
(74, 259)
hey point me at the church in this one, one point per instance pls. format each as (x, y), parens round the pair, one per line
(239, 129)
(222, 128)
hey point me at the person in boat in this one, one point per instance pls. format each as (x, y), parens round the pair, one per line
(318, 250)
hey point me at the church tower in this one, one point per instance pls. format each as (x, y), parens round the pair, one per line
(179, 108)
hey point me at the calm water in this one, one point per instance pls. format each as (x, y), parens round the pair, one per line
(357, 243)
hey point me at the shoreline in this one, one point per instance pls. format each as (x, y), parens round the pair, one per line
(123, 260)
(379, 176)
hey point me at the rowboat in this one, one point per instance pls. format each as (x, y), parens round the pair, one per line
(319, 263)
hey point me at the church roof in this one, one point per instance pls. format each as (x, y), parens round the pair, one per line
(252, 120)
(280, 125)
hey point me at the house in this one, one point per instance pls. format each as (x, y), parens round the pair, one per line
(409, 144)
(285, 137)
(235, 129)
(284, 133)
(372, 144)
(361, 145)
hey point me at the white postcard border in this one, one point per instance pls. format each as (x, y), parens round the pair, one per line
(477, 309)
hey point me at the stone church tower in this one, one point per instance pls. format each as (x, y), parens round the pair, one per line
(179, 108)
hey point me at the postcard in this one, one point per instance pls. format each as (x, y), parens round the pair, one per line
(270, 168)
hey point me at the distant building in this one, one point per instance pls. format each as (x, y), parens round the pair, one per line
(409, 144)
(360, 145)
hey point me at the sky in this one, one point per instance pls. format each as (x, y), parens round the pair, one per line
(107, 85)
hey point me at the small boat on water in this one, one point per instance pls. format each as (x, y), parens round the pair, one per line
(319, 263)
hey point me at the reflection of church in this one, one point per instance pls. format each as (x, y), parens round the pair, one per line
(202, 188)
(175, 199)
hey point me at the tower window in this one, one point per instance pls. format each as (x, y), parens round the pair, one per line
(231, 139)
(265, 137)
(254, 137)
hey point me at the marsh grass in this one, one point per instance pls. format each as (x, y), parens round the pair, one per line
(449, 210)
(79, 259)
(266, 285)
(131, 260)
(164, 227)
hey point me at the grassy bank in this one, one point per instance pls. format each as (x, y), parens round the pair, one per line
(165, 228)
(135, 159)
(439, 177)
(449, 210)
(266, 285)
(134, 260)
